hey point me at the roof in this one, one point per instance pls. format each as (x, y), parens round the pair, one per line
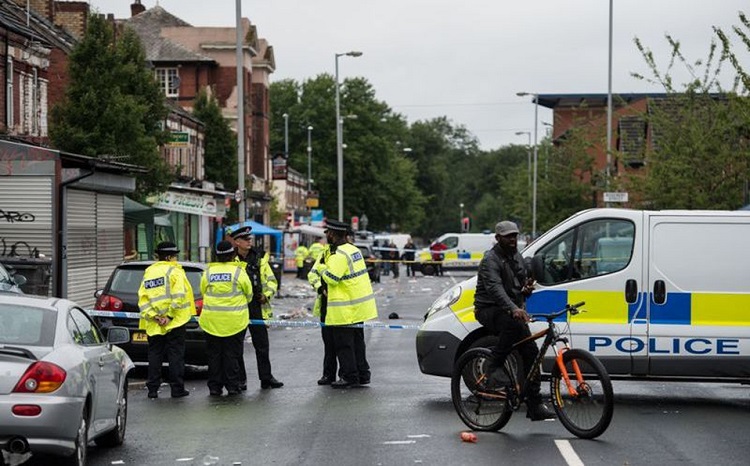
(148, 25)
(597, 100)
(15, 16)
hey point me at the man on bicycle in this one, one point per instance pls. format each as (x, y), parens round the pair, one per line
(503, 284)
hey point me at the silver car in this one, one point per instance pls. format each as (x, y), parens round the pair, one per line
(61, 383)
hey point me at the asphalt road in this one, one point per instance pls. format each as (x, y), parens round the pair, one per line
(405, 417)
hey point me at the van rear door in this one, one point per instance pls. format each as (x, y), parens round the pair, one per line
(699, 297)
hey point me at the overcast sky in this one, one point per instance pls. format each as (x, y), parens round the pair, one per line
(467, 59)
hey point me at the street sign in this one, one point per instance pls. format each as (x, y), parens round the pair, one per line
(615, 197)
(179, 139)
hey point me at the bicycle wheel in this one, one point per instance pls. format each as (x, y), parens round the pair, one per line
(586, 414)
(481, 398)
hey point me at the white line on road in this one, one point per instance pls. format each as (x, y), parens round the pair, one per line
(418, 436)
(399, 442)
(568, 453)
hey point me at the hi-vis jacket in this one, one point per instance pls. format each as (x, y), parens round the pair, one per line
(268, 283)
(315, 277)
(226, 289)
(300, 254)
(165, 291)
(316, 250)
(350, 297)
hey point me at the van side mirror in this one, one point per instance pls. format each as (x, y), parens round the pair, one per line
(536, 265)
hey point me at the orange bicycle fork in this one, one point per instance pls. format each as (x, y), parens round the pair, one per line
(564, 372)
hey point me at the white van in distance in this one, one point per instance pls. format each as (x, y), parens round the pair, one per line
(667, 295)
(464, 251)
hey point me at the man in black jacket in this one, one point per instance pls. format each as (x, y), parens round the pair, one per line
(503, 285)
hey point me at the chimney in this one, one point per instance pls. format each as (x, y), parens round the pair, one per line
(136, 8)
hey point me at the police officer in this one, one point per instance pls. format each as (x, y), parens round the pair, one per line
(166, 303)
(316, 249)
(264, 286)
(350, 301)
(300, 254)
(320, 310)
(226, 290)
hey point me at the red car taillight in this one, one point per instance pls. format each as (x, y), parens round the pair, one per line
(27, 410)
(41, 377)
(108, 303)
(198, 306)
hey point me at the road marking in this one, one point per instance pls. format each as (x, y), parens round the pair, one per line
(418, 436)
(399, 442)
(568, 454)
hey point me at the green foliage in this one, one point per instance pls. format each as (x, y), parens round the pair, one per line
(113, 106)
(220, 155)
(699, 156)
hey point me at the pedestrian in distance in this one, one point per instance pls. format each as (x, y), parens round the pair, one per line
(408, 257)
(503, 284)
(316, 249)
(393, 256)
(226, 290)
(320, 309)
(265, 286)
(350, 302)
(438, 256)
(166, 304)
(300, 254)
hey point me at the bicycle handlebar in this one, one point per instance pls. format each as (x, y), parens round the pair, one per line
(572, 308)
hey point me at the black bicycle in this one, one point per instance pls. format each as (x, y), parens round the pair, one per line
(486, 395)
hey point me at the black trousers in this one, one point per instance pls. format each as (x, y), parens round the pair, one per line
(171, 346)
(509, 332)
(259, 334)
(224, 356)
(350, 352)
(329, 348)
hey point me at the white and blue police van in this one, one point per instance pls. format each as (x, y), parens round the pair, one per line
(667, 295)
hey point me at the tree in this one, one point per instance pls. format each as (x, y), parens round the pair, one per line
(220, 141)
(699, 157)
(113, 106)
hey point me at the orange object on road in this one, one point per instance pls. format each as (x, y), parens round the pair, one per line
(469, 437)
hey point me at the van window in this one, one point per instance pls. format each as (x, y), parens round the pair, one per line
(592, 249)
(451, 242)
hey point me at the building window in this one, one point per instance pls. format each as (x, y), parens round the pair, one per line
(169, 81)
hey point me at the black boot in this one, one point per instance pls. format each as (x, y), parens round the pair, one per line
(538, 411)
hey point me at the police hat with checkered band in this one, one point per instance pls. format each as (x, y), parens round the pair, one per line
(242, 232)
(336, 226)
(167, 248)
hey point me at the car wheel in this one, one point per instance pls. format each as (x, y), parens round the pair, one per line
(116, 436)
(78, 458)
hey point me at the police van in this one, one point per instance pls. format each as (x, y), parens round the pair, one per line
(667, 295)
(463, 252)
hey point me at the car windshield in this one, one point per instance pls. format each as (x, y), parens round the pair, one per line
(128, 280)
(24, 325)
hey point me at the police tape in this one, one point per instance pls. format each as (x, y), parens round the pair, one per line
(269, 323)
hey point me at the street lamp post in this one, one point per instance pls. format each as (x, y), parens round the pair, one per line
(528, 133)
(339, 136)
(533, 189)
(240, 114)
(286, 135)
(309, 159)
(609, 104)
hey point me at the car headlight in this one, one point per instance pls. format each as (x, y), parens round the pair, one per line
(447, 299)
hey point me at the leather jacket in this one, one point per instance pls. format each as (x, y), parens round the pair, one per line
(500, 281)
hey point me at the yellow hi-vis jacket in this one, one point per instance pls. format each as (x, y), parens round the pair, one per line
(316, 249)
(268, 282)
(226, 290)
(315, 277)
(165, 291)
(350, 296)
(300, 255)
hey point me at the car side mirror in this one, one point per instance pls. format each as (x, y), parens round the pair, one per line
(19, 279)
(118, 335)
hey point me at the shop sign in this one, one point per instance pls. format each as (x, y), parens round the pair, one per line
(189, 204)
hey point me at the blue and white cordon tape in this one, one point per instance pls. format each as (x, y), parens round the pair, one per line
(268, 323)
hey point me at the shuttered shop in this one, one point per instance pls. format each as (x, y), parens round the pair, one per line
(94, 238)
(26, 216)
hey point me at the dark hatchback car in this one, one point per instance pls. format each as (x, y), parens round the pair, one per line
(120, 294)
(373, 267)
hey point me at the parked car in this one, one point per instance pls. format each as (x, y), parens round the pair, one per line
(9, 281)
(120, 295)
(373, 267)
(62, 384)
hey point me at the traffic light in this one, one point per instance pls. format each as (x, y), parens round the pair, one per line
(465, 226)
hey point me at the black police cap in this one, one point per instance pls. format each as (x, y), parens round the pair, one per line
(335, 225)
(167, 247)
(242, 232)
